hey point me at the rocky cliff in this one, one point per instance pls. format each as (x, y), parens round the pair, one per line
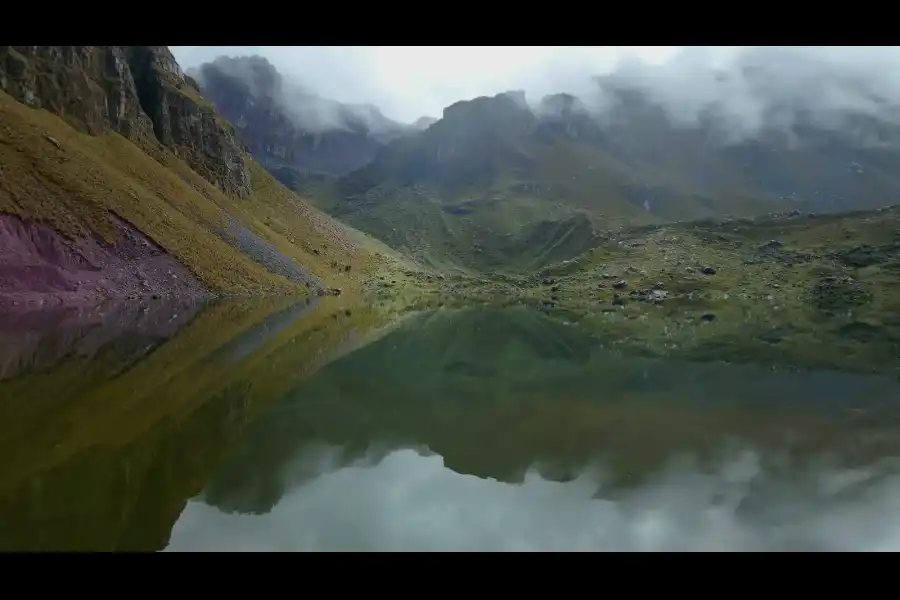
(118, 180)
(139, 92)
(292, 131)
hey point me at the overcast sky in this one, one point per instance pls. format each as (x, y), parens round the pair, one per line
(408, 82)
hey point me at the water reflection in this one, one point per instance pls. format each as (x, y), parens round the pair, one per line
(540, 439)
(34, 340)
(411, 502)
(112, 417)
(252, 426)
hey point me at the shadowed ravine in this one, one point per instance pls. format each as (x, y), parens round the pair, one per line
(283, 426)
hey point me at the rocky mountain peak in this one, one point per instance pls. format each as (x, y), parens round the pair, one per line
(139, 92)
(291, 130)
(485, 110)
(252, 75)
(423, 123)
(561, 105)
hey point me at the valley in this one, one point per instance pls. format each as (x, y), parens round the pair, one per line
(363, 299)
(124, 178)
(795, 291)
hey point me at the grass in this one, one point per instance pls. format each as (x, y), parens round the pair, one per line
(73, 181)
(508, 223)
(496, 233)
(804, 303)
(827, 297)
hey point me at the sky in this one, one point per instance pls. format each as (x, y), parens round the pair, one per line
(408, 82)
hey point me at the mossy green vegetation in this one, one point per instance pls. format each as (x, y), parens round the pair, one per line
(792, 290)
(802, 291)
(505, 192)
(74, 181)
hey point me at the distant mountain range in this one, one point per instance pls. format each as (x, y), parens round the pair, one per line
(497, 182)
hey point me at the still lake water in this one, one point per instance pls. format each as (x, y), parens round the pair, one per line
(300, 426)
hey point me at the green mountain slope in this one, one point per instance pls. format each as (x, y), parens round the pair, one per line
(804, 291)
(498, 183)
(492, 177)
(99, 144)
(632, 165)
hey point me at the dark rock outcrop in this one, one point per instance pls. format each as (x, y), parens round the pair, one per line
(139, 92)
(473, 141)
(290, 130)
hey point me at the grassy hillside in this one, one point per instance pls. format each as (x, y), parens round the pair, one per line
(73, 181)
(492, 177)
(517, 224)
(815, 291)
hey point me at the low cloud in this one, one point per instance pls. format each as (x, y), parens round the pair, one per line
(744, 88)
(297, 101)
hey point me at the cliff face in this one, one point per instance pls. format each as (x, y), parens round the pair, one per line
(471, 143)
(139, 92)
(290, 129)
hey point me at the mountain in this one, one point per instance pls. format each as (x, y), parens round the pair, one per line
(495, 183)
(120, 180)
(291, 131)
(496, 174)
(424, 123)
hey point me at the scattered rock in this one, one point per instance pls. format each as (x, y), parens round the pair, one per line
(861, 331)
(775, 336)
(53, 141)
(864, 256)
(620, 285)
(838, 292)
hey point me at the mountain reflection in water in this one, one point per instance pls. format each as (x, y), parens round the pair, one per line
(275, 427)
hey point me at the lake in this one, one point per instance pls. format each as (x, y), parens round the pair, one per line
(313, 425)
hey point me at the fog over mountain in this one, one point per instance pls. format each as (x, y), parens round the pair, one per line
(482, 157)
(315, 113)
(745, 88)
